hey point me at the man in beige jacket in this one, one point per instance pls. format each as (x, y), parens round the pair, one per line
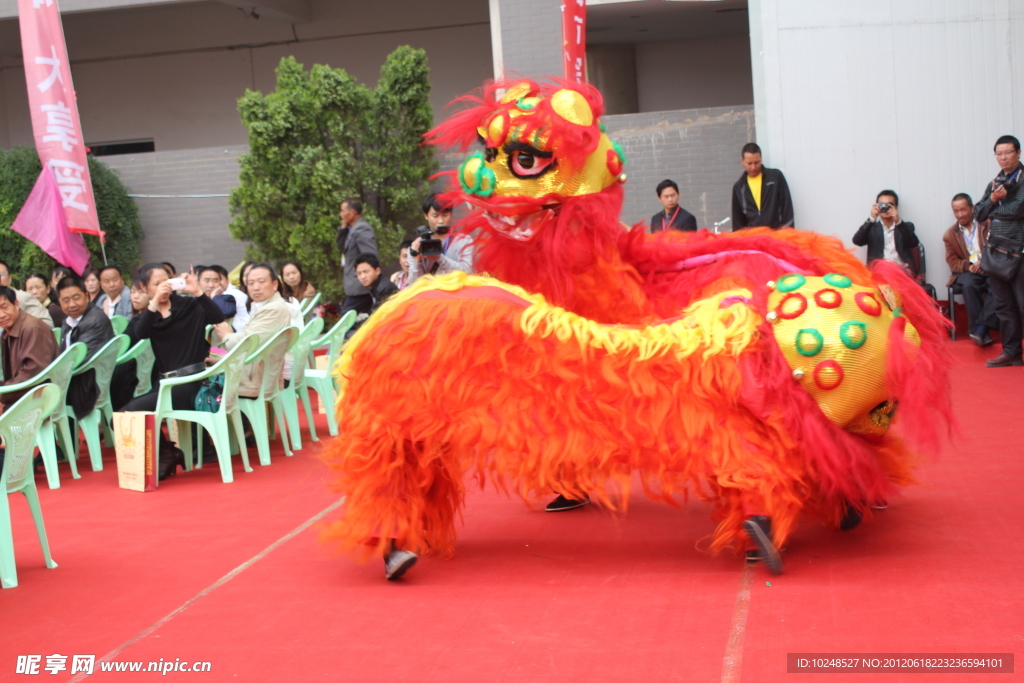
(269, 315)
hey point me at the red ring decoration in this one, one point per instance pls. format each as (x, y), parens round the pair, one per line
(782, 305)
(867, 302)
(819, 378)
(828, 298)
(614, 162)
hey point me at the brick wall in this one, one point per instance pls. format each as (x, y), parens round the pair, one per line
(697, 148)
(184, 230)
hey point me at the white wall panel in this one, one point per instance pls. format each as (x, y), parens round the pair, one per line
(901, 94)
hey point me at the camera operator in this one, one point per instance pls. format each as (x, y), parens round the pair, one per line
(455, 252)
(886, 236)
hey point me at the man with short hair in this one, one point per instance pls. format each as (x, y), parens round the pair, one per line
(116, 298)
(368, 272)
(269, 315)
(761, 195)
(26, 301)
(886, 236)
(355, 238)
(964, 242)
(86, 324)
(27, 347)
(1003, 205)
(457, 250)
(213, 285)
(672, 216)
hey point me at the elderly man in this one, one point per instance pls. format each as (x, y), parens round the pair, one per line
(28, 344)
(269, 315)
(355, 238)
(116, 298)
(86, 324)
(964, 242)
(26, 301)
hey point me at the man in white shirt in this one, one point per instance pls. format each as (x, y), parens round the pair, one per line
(964, 241)
(887, 236)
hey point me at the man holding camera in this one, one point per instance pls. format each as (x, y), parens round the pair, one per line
(1003, 205)
(886, 236)
(436, 250)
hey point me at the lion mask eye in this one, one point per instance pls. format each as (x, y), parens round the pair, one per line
(528, 162)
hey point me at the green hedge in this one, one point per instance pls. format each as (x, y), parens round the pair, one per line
(119, 217)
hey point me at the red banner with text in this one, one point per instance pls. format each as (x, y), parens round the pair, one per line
(574, 40)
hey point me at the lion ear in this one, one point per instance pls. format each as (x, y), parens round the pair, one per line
(572, 107)
(517, 91)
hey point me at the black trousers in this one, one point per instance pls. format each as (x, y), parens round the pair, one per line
(183, 397)
(1009, 300)
(981, 309)
(360, 303)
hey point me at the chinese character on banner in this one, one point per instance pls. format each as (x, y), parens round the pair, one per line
(54, 108)
(55, 663)
(83, 664)
(28, 664)
(574, 40)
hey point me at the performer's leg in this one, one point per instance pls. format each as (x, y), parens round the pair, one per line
(397, 562)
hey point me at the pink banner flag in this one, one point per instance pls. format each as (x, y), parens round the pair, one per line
(43, 221)
(54, 107)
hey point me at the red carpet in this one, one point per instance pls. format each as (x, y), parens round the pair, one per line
(583, 595)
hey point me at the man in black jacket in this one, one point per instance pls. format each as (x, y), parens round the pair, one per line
(673, 216)
(761, 195)
(886, 236)
(86, 324)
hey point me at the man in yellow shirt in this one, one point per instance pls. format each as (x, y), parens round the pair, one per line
(761, 195)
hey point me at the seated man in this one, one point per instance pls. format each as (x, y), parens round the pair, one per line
(240, 297)
(886, 235)
(456, 249)
(268, 316)
(26, 301)
(116, 297)
(86, 324)
(28, 345)
(213, 285)
(368, 273)
(673, 216)
(964, 242)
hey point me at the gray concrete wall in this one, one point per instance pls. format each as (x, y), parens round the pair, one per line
(184, 230)
(531, 36)
(697, 148)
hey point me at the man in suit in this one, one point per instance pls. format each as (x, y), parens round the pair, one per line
(886, 235)
(672, 216)
(964, 242)
(355, 238)
(269, 315)
(116, 298)
(86, 324)
(761, 195)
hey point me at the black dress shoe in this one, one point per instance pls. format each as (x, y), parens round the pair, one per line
(1004, 360)
(759, 529)
(169, 461)
(561, 504)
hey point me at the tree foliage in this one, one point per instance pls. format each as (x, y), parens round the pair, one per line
(118, 215)
(320, 138)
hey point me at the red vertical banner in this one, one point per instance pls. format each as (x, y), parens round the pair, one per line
(55, 123)
(574, 40)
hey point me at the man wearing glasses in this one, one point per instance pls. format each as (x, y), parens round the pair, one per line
(1003, 205)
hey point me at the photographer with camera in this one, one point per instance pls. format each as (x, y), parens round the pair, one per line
(886, 236)
(1003, 205)
(436, 250)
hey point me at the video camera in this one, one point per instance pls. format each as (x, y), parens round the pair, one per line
(429, 245)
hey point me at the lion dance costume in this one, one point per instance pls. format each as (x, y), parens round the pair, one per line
(759, 370)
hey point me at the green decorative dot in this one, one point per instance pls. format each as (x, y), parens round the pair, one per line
(837, 280)
(600, 125)
(897, 312)
(618, 150)
(809, 342)
(853, 334)
(790, 282)
(522, 105)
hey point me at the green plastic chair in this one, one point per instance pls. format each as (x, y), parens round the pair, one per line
(321, 381)
(297, 386)
(271, 356)
(311, 303)
(57, 373)
(18, 427)
(215, 423)
(56, 334)
(119, 323)
(102, 414)
(142, 354)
